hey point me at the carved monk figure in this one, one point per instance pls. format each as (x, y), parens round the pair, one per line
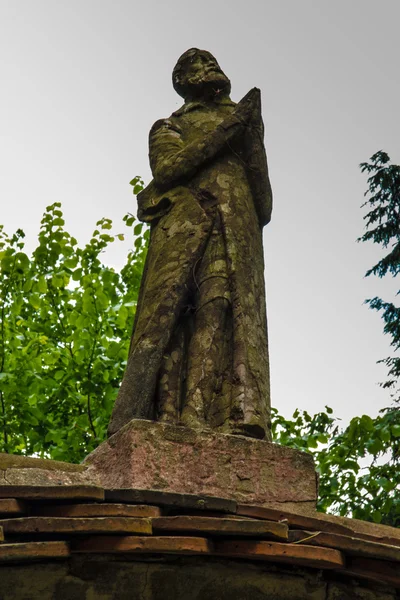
(199, 352)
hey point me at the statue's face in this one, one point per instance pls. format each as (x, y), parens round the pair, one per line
(202, 68)
(198, 74)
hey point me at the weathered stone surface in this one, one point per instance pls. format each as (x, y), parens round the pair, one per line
(98, 510)
(375, 570)
(170, 499)
(302, 508)
(63, 525)
(199, 350)
(150, 455)
(52, 492)
(190, 578)
(32, 551)
(349, 545)
(147, 545)
(224, 527)
(36, 477)
(366, 530)
(312, 520)
(309, 556)
(1, 534)
(14, 461)
(342, 591)
(32, 581)
(11, 506)
(107, 577)
(24, 470)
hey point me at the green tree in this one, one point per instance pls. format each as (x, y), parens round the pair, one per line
(358, 465)
(65, 326)
(383, 228)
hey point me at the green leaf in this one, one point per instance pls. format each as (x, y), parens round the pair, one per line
(384, 434)
(385, 484)
(102, 300)
(376, 516)
(375, 446)
(35, 301)
(137, 230)
(367, 423)
(70, 263)
(22, 262)
(77, 275)
(351, 464)
(395, 429)
(42, 285)
(27, 285)
(57, 281)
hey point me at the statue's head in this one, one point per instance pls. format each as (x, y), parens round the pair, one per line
(198, 75)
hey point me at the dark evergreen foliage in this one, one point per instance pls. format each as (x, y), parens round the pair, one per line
(383, 228)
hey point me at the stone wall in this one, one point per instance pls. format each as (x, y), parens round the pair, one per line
(195, 578)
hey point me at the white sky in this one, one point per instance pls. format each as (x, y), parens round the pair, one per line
(84, 80)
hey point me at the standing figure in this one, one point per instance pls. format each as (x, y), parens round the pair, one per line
(199, 350)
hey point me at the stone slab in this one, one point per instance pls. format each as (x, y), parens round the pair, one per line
(12, 506)
(33, 551)
(171, 500)
(98, 510)
(52, 492)
(374, 570)
(26, 470)
(153, 545)
(294, 554)
(317, 521)
(349, 545)
(314, 521)
(152, 455)
(15, 461)
(365, 530)
(63, 525)
(222, 527)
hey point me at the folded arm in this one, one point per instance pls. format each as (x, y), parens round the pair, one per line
(172, 160)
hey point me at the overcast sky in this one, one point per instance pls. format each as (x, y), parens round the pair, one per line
(83, 81)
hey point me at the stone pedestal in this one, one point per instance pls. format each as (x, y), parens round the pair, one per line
(152, 455)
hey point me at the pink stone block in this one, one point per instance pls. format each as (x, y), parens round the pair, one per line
(152, 455)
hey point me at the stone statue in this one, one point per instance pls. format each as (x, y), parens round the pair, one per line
(199, 351)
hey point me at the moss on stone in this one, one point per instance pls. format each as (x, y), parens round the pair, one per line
(14, 461)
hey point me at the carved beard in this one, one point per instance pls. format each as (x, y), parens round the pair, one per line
(207, 83)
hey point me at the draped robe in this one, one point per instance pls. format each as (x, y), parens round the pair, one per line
(217, 209)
